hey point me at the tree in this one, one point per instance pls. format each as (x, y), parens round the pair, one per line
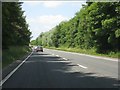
(94, 26)
(14, 27)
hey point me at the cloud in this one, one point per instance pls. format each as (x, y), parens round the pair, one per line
(32, 3)
(51, 19)
(44, 23)
(52, 4)
(40, 21)
(48, 4)
(48, 19)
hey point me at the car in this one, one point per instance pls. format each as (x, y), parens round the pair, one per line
(39, 48)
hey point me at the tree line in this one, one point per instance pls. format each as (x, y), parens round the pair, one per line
(15, 31)
(96, 25)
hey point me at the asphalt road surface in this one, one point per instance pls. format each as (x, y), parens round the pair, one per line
(59, 69)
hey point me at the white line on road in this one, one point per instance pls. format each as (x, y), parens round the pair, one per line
(98, 57)
(57, 55)
(65, 59)
(53, 54)
(82, 66)
(11, 73)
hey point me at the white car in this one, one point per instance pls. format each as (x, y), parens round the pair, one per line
(39, 48)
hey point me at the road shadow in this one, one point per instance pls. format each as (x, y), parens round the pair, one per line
(48, 71)
(60, 74)
(40, 53)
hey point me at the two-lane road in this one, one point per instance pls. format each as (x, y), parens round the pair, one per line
(59, 69)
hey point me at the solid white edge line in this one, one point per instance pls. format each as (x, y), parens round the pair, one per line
(82, 66)
(12, 72)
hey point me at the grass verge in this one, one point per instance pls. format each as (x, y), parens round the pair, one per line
(88, 51)
(13, 53)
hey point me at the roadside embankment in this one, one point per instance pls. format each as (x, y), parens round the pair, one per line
(14, 53)
(12, 57)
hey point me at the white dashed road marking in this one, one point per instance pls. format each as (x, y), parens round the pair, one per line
(82, 66)
(52, 54)
(65, 59)
(98, 57)
(57, 55)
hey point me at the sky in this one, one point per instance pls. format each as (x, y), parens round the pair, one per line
(42, 16)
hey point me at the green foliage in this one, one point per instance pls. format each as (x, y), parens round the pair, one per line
(117, 33)
(15, 33)
(33, 42)
(96, 25)
(13, 53)
(14, 27)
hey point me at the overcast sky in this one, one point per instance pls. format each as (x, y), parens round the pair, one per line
(44, 15)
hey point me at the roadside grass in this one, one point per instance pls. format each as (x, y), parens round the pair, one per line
(88, 51)
(13, 53)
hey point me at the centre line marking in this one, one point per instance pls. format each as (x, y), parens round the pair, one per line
(64, 58)
(57, 55)
(52, 54)
(82, 66)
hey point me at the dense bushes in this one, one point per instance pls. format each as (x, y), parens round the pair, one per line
(96, 25)
(14, 53)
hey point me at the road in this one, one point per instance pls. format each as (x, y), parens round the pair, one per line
(60, 69)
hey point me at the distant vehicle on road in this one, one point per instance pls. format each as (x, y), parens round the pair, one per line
(39, 48)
